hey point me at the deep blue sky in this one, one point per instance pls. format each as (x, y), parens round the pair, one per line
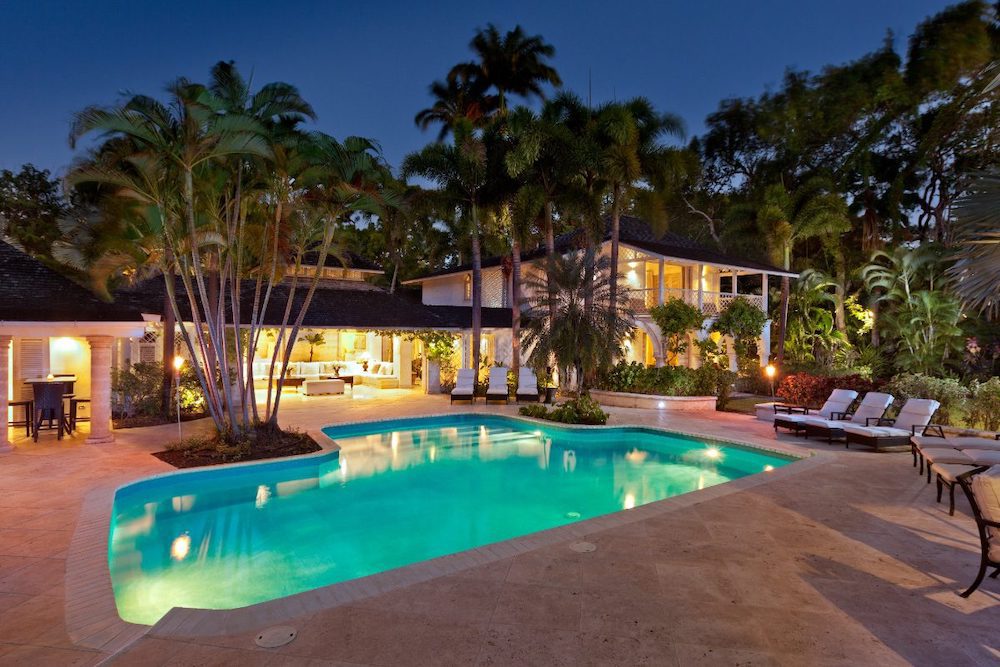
(365, 66)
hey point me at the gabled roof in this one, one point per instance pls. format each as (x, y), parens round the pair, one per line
(637, 233)
(32, 292)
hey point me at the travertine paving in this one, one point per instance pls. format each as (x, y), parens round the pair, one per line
(847, 562)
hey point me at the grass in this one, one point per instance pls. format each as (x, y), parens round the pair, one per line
(745, 404)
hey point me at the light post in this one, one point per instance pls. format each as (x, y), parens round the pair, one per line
(178, 364)
(770, 372)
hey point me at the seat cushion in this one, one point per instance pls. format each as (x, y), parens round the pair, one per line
(986, 489)
(825, 423)
(949, 472)
(876, 431)
(978, 457)
(792, 418)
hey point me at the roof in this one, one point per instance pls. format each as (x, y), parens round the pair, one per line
(635, 232)
(346, 260)
(335, 305)
(32, 292)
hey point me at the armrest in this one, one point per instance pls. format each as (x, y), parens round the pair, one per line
(841, 416)
(790, 409)
(934, 430)
(879, 421)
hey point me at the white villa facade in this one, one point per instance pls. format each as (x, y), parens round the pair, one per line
(653, 271)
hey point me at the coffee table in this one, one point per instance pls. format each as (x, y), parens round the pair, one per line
(346, 379)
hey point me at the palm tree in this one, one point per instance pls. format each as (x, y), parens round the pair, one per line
(512, 63)
(460, 172)
(578, 336)
(455, 98)
(976, 272)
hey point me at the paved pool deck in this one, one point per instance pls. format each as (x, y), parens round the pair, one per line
(847, 561)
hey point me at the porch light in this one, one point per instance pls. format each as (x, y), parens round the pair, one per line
(178, 363)
(770, 371)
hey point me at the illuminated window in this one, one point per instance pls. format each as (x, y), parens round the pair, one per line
(468, 288)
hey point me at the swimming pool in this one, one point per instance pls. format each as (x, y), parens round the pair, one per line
(399, 492)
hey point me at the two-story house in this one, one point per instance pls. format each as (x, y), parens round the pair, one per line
(653, 269)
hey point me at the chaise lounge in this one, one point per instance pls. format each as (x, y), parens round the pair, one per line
(497, 389)
(982, 487)
(879, 432)
(465, 386)
(527, 385)
(792, 417)
(872, 406)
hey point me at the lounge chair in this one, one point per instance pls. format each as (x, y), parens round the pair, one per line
(465, 386)
(937, 456)
(934, 438)
(873, 405)
(879, 432)
(527, 385)
(497, 389)
(982, 487)
(792, 416)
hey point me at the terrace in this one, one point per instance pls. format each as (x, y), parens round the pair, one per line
(841, 558)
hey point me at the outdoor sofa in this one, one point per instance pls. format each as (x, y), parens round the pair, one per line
(873, 405)
(793, 416)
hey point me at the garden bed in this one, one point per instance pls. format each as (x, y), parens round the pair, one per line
(621, 399)
(208, 452)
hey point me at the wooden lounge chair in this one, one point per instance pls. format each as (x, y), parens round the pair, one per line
(465, 386)
(879, 432)
(792, 416)
(527, 385)
(497, 389)
(982, 488)
(873, 405)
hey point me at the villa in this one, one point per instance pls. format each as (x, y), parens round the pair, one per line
(655, 268)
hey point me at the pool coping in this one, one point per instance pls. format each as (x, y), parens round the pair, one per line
(92, 618)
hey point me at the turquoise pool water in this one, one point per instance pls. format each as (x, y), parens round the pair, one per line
(402, 491)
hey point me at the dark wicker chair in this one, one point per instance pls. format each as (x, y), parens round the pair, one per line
(29, 411)
(49, 406)
(986, 511)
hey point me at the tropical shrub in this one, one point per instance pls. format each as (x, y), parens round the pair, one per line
(676, 318)
(708, 380)
(947, 391)
(583, 410)
(743, 322)
(812, 390)
(135, 391)
(984, 404)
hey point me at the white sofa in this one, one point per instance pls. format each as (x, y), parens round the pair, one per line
(380, 374)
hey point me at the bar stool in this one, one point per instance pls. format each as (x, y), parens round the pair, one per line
(48, 405)
(29, 410)
(74, 403)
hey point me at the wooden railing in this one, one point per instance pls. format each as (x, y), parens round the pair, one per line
(712, 303)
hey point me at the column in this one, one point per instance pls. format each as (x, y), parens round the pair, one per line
(662, 291)
(5, 343)
(100, 390)
(764, 344)
(701, 287)
(763, 291)
(735, 280)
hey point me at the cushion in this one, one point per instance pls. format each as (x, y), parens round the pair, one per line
(373, 367)
(792, 418)
(949, 472)
(977, 457)
(839, 401)
(986, 488)
(466, 378)
(876, 431)
(873, 405)
(824, 423)
(463, 391)
(386, 368)
(309, 368)
(916, 412)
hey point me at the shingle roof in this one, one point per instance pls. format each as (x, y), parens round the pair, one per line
(635, 232)
(461, 316)
(347, 260)
(32, 292)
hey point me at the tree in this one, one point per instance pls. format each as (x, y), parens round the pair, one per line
(512, 64)
(458, 97)
(459, 170)
(31, 204)
(313, 340)
(578, 337)
(676, 319)
(976, 271)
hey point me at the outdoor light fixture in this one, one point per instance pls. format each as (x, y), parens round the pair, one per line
(178, 363)
(770, 371)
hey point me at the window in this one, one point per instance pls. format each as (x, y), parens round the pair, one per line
(468, 287)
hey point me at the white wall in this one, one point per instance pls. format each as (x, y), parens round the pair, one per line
(449, 291)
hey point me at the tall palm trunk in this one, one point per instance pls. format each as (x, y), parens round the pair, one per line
(169, 341)
(550, 253)
(515, 305)
(840, 289)
(477, 292)
(615, 233)
(786, 288)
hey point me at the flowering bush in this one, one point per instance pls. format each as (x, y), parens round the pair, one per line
(812, 390)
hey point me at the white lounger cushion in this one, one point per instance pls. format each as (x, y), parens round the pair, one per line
(527, 383)
(973, 457)
(839, 401)
(956, 442)
(793, 418)
(986, 489)
(916, 412)
(498, 381)
(873, 405)
(464, 383)
(876, 431)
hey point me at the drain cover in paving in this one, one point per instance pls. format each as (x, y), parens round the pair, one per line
(583, 547)
(274, 637)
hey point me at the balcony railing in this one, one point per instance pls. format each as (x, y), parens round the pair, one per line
(712, 303)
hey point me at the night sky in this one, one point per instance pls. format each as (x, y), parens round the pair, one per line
(365, 66)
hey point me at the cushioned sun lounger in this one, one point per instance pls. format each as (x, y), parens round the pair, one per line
(872, 406)
(919, 443)
(880, 432)
(527, 385)
(465, 386)
(982, 488)
(497, 389)
(792, 416)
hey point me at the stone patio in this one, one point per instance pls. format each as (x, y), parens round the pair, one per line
(846, 562)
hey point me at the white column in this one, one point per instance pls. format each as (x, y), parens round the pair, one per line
(100, 390)
(735, 279)
(404, 361)
(763, 291)
(5, 344)
(662, 291)
(764, 344)
(701, 287)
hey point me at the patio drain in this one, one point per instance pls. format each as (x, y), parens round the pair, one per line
(274, 637)
(583, 547)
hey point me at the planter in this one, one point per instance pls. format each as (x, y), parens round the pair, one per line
(621, 399)
(550, 395)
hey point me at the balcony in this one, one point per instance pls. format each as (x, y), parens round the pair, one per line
(712, 303)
